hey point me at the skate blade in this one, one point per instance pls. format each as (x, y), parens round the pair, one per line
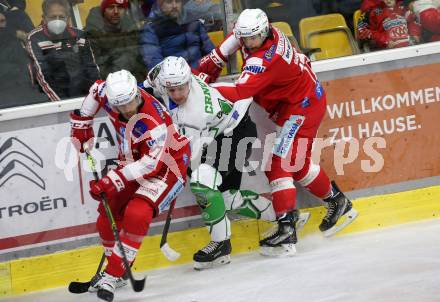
(198, 266)
(350, 216)
(285, 250)
(302, 220)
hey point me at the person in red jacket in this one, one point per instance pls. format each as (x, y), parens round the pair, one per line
(392, 26)
(428, 14)
(280, 79)
(152, 170)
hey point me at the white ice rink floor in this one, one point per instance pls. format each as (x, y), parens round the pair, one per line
(395, 264)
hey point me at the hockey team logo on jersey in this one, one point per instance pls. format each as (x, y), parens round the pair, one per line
(284, 140)
(18, 160)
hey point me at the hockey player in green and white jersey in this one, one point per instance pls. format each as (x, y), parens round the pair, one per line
(210, 121)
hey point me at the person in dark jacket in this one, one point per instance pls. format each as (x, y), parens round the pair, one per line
(17, 17)
(114, 39)
(62, 58)
(170, 33)
(15, 83)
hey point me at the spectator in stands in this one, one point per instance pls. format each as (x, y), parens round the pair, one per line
(428, 14)
(391, 26)
(363, 27)
(114, 38)
(208, 12)
(13, 5)
(62, 58)
(15, 82)
(139, 11)
(169, 33)
(17, 17)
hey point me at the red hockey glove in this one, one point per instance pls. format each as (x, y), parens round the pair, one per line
(81, 130)
(212, 64)
(109, 185)
(203, 76)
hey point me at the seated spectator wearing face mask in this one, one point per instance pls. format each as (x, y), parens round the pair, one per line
(15, 83)
(62, 58)
(168, 32)
(113, 36)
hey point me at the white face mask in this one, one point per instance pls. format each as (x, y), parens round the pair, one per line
(56, 26)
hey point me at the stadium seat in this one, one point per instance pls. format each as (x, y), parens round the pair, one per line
(356, 16)
(85, 7)
(287, 30)
(34, 11)
(330, 34)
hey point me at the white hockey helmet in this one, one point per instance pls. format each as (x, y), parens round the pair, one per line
(252, 22)
(121, 87)
(174, 71)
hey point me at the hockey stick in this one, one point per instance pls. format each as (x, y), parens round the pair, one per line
(138, 285)
(171, 254)
(76, 287)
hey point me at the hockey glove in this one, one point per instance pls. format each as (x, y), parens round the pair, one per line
(212, 64)
(203, 76)
(109, 185)
(81, 130)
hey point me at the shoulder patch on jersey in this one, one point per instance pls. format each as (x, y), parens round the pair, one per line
(139, 128)
(284, 48)
(159, 109)
(268, 55)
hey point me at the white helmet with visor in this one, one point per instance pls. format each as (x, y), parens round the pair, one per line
(121, 87)
(174, 71)
(252, 22)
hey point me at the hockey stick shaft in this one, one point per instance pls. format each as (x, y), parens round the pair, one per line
(165, 248)
(138, 285)
(77, 287)
(166, 227)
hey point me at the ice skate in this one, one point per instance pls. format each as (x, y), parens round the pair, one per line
(105, 284)
(282, 242)
(214, 254)
(121, 282)
(338, 206)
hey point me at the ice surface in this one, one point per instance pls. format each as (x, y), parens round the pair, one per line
(395, 264)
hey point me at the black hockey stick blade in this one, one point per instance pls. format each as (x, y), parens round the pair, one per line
(76, 287)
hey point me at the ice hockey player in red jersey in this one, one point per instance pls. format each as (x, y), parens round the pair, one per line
(281, 80)
(152, 171)
(393, 26)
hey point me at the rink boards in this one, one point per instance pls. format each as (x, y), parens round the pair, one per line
(379, 142)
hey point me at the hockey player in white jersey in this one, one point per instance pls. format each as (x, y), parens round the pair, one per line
(202, 114)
